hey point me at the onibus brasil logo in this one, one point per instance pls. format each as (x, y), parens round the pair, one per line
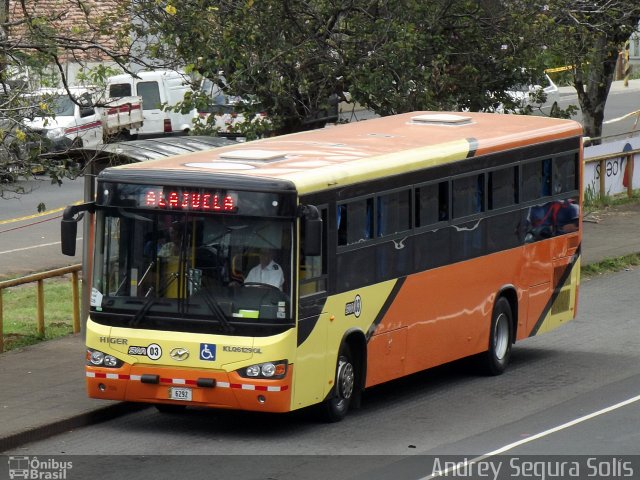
(34, 468)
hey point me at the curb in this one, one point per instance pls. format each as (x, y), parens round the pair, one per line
(82, 420)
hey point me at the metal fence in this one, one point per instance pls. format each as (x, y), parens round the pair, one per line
(602, 159)
(38, 279)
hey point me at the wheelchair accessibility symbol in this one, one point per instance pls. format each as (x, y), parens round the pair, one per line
(208, 351)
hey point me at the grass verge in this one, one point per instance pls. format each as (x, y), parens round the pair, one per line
(610, 265)
(20, 317)
(592, 201)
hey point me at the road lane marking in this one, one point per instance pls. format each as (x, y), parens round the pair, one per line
(537, 436)
(36, 215)
(34, 246)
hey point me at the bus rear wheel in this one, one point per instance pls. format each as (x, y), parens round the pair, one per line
(496, 358)
(335, 408)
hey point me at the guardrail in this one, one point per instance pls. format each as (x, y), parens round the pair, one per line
(39, 278)
(601, 159)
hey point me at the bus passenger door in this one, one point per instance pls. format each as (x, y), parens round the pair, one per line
(310, 365)
(313, 321)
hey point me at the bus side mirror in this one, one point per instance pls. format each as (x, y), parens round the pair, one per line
(312, 230)
(68, 235)
(69, 226)
(313, 236)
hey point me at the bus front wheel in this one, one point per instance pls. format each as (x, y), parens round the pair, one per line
(497, 357)
(336, 406)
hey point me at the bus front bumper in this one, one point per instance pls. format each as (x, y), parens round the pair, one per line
(201, 388)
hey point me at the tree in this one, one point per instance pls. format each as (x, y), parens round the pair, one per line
(39, 42)
(280, 52)
(588, 36)
(438, 54)
(296, 56)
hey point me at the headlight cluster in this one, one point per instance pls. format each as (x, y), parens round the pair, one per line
(271, 370)
(97, 358)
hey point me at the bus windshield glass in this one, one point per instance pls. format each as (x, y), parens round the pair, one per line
(190, 271)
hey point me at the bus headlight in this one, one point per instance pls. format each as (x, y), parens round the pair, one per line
(271, 370)
(97, 358)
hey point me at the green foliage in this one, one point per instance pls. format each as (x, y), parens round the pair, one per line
(97, 75)
(297, 57)
(588, 37)
(610, 265)
(37, 44)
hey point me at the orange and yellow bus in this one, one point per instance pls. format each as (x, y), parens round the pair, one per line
(300, 270)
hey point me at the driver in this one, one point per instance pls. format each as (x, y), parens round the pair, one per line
(267, 271)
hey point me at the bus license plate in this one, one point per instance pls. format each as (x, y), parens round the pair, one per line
(179, 393)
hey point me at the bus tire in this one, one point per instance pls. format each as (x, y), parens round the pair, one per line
(335, 408)
(169, 408)
(496, 358)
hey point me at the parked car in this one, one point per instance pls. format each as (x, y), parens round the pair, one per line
(531, 95)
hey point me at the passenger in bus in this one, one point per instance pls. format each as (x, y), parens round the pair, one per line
(172, 246)
(267, 271)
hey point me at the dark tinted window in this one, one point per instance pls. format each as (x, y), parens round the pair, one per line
(355, 222)
(150, 93)
(432, 203)
(565, 178)
(118, 90)
(468, 195)
(313, 269)
(503, 188)
(536, 179)
(394, 213)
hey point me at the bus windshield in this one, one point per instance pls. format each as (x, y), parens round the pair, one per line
(191, 272)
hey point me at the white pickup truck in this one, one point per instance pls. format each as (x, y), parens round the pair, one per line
(87, 123)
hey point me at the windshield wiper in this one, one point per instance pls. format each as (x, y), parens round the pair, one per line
(214, 306)
(140, 314)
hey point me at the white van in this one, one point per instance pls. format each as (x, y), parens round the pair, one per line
(85, 122)
(157, 88)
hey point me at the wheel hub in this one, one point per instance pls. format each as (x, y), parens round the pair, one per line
(346, 379)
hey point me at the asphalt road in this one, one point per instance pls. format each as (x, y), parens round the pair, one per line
(572, 392)
(30, 241)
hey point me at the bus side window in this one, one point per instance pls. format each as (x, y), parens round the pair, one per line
(565, 176)
(394, 213)
(503, 188)
(432, 204)
(313, 268)
(536, 179)
(468, 195)
(355, 221)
